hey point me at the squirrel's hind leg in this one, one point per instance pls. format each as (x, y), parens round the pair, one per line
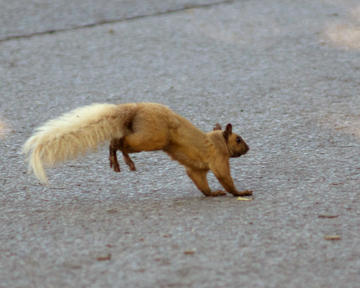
(128, 161)
(118, 144)
(112, 155)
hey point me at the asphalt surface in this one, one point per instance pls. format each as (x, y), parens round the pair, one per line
(284, 73)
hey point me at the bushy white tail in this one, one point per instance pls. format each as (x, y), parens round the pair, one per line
(72, 134)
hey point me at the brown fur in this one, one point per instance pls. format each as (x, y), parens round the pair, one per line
(143, 127)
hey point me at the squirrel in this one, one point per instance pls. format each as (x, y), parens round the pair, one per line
(132, 128)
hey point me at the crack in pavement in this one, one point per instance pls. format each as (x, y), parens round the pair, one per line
(110, 21)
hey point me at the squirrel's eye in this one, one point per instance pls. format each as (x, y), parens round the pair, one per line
(238, 140)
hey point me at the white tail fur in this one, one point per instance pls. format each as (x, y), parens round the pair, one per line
(73, 133)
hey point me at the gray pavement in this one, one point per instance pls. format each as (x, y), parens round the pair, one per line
(21, 17)
(284, 73)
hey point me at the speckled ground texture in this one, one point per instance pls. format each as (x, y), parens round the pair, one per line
(284, 73)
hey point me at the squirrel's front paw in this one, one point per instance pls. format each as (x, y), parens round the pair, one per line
(218, 193)
(243, 193)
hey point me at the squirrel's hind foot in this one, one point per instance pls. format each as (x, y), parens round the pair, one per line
(128, 161)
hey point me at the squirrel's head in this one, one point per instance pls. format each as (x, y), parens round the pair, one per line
(235, 144)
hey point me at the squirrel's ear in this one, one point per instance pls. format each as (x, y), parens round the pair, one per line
(228, 131)
(229, 128)
(217, 127)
